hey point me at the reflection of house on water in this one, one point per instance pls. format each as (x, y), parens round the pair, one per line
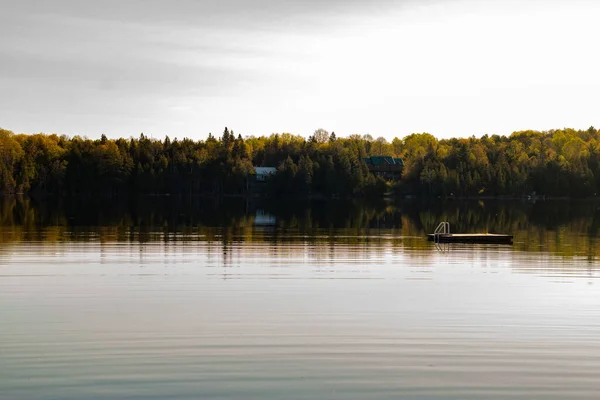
(261, 218)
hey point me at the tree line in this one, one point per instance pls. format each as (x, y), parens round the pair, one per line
(562, 162)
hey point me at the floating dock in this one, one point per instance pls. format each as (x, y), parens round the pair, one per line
(489, 238)
(442, 235)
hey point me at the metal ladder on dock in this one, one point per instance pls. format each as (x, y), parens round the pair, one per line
(442, 229)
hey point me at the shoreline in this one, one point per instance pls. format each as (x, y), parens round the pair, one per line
(319, 197)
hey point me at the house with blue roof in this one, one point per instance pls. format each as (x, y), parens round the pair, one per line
(385, 166)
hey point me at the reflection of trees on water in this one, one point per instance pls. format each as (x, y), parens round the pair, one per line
(565, 227)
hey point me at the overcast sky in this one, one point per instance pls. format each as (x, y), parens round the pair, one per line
(384, 67)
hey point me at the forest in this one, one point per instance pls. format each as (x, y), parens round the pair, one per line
(554, 163)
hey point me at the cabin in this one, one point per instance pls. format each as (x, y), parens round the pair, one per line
(263, 172)
(385, 166)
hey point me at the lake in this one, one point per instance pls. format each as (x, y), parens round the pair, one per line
(160, 298)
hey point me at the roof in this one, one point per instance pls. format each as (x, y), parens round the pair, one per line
(265, 170)
(383, 160)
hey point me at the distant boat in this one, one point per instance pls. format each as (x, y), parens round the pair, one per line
(442, 235)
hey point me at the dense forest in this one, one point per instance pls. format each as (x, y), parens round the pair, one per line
(564, 162)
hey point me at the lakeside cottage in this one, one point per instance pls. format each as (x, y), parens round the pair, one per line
(263, 172)
(385, 166)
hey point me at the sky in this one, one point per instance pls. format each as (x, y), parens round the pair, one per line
(453, 68)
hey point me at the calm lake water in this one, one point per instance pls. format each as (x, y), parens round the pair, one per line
(168, 299)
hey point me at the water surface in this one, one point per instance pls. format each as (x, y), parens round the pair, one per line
(251, 301)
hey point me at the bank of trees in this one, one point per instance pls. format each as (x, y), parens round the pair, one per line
(562, 162)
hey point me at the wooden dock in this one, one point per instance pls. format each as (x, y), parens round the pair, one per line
(488, 238)
(442, 235)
